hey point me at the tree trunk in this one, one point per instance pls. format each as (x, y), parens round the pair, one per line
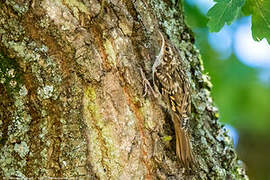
(72, 99)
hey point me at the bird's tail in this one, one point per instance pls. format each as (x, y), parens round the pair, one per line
(183, 147)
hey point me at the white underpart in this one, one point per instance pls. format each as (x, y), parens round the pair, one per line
(158, 58)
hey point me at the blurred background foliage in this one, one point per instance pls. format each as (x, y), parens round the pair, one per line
(240, 73)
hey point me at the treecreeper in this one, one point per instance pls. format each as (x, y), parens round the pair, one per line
(171, 82)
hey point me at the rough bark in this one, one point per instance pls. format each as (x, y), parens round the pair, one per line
(72, 100)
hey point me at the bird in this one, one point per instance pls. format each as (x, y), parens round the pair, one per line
(171, 82)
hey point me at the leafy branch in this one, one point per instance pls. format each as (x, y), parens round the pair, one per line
(226, 11)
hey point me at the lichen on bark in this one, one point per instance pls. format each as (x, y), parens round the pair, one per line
(72, 98)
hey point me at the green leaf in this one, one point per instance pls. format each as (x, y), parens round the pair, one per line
(260, 11)
(224, 11)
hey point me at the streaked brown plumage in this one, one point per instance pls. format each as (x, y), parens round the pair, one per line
(171, 81)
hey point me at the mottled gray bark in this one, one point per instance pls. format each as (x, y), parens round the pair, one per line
(71, 93)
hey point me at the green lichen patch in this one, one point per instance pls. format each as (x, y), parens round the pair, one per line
(20, 8)
(91, 105)
(103, 148)
(91, 94)
(90, 115)
(167, 138)
(111, 52)
(46, 92)
(76, 7)
(22, 149)
(10, 74)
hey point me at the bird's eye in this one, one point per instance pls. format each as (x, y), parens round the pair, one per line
(167, 49)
